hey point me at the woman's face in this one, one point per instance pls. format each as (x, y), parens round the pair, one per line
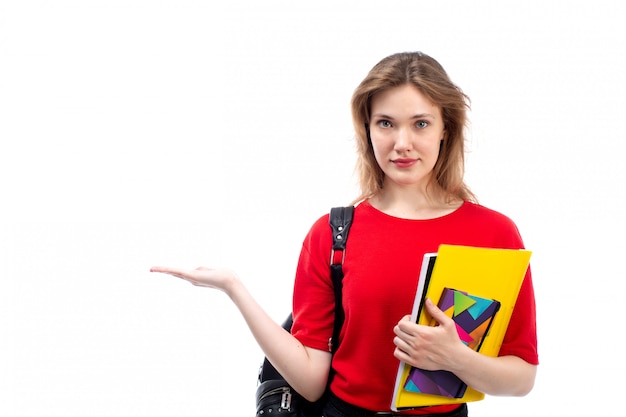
(406, 130)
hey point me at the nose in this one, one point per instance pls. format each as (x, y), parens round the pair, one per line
(403, 140)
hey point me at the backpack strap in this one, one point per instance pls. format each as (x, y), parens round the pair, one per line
(340, 221)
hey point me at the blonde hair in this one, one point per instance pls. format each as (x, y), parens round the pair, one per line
(430, 78)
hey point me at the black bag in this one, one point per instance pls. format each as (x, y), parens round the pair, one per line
(274, 395)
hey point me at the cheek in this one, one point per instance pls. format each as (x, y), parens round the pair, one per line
(431, 148)
(380, 149)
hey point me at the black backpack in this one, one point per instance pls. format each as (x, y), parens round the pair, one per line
(274, 395)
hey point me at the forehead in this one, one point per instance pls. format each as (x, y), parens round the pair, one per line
(402, 99)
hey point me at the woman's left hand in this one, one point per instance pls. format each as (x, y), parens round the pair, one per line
(428, 347)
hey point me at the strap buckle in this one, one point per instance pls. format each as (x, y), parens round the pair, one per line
(337, 256)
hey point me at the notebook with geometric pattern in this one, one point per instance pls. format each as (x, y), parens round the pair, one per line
(466, 282)
(473, 316)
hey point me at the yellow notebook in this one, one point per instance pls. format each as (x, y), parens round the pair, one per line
(481, 274)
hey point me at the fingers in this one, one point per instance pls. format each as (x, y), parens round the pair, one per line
(201, 276)
(403, 326)
(165, 269)
(203, 268)
(404, 335)
(176, 272)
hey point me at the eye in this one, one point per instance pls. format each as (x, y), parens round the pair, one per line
(384, 123)
(421, 124)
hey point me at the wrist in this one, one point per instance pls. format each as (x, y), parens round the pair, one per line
(232, 285)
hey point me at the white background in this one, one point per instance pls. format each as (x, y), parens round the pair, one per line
(185, 133)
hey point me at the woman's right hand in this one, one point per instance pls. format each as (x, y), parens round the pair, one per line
(306, 369)
(221, 279)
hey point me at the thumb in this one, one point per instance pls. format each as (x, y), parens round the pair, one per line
(435, 312)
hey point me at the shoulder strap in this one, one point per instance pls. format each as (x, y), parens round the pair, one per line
(340, 221)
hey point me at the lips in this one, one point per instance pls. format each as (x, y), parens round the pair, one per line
(404, 162)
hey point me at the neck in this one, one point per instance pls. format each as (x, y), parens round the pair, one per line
(415, 204)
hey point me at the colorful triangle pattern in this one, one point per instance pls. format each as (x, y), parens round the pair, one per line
(472, 316)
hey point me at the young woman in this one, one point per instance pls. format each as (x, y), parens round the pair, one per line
(409, 120)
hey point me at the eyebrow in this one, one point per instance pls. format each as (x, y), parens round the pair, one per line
(416, 116)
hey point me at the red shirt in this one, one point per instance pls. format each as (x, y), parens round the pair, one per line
(382, 262)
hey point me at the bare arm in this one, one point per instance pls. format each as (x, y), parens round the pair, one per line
(439, 347)
(305, 369)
